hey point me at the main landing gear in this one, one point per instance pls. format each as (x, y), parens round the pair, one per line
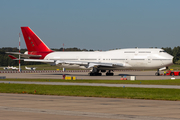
(96, 72)
(109, 73)
(157, 73)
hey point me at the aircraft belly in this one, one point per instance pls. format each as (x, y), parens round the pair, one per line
(112, 68)
(74, 66)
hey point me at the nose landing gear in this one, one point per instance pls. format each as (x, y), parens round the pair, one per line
(157, 73)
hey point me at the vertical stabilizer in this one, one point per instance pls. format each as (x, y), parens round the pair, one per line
(33, 42)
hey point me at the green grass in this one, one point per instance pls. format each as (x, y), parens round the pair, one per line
(144, 82)
(175, 67)
(93, 91)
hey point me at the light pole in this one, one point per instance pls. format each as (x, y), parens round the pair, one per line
(19, 54)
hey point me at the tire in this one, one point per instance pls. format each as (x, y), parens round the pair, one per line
(109, 74)
(91, 74)
(95, 74)
(99, 74)
(172, 74)
(157, 74)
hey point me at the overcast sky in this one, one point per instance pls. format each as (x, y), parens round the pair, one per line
(92, 24)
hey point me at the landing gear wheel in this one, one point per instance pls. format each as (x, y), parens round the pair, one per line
(109, 74)
(95, 74)
(91, 74)
(98, 74)
(172, 74)
(157, 74)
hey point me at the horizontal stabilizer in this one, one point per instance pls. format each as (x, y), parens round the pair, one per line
(12, 57)
(24, 55)
(39, 60)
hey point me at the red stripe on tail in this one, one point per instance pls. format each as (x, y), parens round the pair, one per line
(12, 57)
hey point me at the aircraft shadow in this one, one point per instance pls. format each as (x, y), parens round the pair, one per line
(133, 75)
(61, 74)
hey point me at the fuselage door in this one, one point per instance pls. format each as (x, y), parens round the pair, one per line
(127, 59)
(149, 59)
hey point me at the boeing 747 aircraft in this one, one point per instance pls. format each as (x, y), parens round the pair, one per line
(97, 61)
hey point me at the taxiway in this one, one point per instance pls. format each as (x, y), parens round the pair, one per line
(45, 107)
(140, 75)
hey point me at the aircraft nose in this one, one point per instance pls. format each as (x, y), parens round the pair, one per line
(168, 60)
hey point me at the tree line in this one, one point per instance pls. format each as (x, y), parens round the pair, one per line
(6, 61)
(175, 52)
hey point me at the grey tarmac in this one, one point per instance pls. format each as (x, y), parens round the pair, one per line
(140, 75)
(45, 107)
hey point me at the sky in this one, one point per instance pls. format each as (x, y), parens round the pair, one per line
(92, 24)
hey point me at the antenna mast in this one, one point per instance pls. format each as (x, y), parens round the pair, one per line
(19, 54)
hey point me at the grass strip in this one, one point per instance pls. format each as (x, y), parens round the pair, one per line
(93, 91)
(144, 82)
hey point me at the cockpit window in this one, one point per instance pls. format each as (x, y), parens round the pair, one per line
(162, 51)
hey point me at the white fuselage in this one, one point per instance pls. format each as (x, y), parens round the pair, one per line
(140, 58)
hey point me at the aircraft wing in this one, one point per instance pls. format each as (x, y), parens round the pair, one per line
(90, 64)
(85, 64)
(24, 55)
